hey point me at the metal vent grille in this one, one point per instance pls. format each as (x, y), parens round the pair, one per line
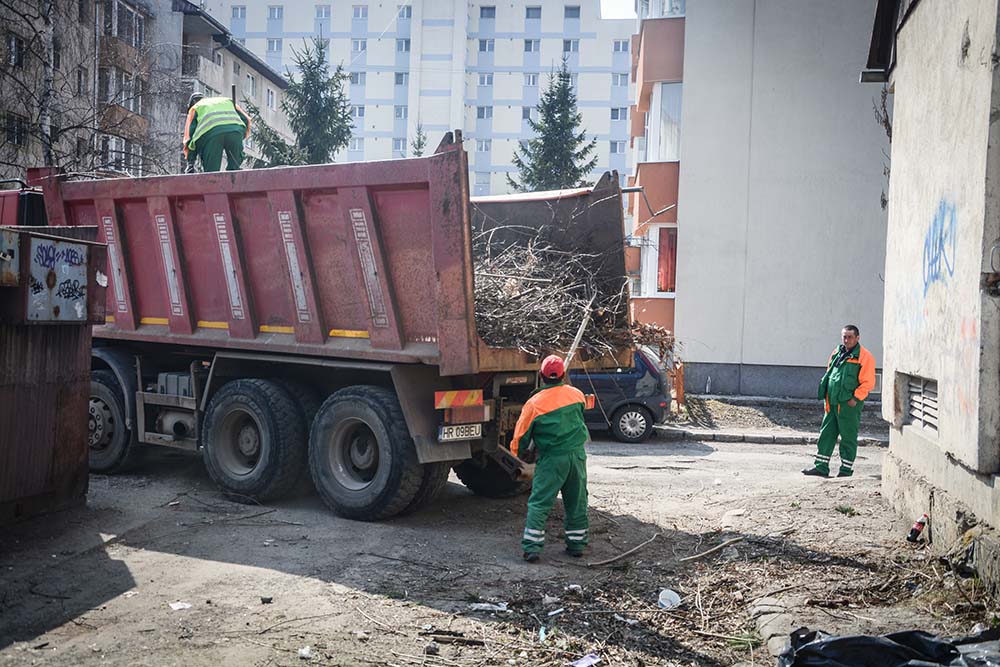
(923, 402)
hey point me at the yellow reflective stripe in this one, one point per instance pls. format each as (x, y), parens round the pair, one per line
(154, 320)
(202, 324)
(270, 328)
(347, 333)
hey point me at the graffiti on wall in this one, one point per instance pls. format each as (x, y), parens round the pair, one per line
(940, 243)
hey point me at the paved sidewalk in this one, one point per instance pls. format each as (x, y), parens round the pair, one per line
(776, 437)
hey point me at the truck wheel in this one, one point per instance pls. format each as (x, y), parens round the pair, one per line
(307, 400)
(361, 456)
(433, 482)
(632, 423)
(486, 478)
(253, 443)
(112, 448)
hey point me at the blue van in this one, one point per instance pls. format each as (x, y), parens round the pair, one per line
(629, 400)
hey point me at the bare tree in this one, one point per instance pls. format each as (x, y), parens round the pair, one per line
(78, 85)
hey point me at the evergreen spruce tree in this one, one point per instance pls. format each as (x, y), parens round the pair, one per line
(318, 111)
(559, 156)
(419, 142)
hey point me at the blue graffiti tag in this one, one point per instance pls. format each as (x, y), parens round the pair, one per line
(48, 255)
(939, 246)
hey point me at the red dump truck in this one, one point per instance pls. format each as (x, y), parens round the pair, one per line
(313, 323)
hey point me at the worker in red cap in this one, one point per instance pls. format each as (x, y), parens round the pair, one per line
(553, 418)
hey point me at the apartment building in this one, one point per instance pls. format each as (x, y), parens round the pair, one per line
(102, 86)
(774, 158)
(444, 64)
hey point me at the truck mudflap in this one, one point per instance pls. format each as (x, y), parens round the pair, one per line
(415, 385)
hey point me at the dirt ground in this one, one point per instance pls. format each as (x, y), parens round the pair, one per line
(776, 416)
(93, 586)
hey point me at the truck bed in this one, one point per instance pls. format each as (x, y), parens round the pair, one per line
(366, 261)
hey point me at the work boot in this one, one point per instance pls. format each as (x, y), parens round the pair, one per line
(574, 553)
(845, 474)
(814, 472)
(531, 557)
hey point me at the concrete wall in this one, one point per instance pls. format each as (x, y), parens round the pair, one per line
(940, 323)
(783, 236)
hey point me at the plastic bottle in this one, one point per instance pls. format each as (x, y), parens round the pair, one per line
(918, 528)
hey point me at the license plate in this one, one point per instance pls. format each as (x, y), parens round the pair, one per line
(460, 432)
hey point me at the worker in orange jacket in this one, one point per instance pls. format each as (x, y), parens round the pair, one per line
(850, 375)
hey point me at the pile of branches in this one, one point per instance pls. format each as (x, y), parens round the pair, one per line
(533, 296)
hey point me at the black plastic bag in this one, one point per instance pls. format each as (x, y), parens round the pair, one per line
(913, 648)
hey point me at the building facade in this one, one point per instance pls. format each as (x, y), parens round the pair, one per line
(942, 268)
(101, 87)
(445, 64)
(778, 231)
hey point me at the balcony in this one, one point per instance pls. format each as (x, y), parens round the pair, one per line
(658, 56)
(659, 182)
(197, 67)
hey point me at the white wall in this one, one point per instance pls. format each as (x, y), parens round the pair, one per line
(782, 237)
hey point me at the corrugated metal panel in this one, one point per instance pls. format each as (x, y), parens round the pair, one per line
(44, 385)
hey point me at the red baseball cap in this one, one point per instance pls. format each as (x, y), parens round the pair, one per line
(553, 367)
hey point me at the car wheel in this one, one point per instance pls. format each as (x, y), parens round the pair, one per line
(632, 423)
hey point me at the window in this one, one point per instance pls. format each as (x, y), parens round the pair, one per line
(270, 100)
(17, 129)
(486, 79)
(83, 11)
(531, 80)
(619, 113)
(322, 11)
(15, 50)
(486, 46)
(274, 46)
(532, 45)
(571, 46)
(252, 85)
(666, 260)
(359, 45)
(357, 111)
(487, 12)
(621, 46)
(81, 149)
(104, 92)
(405, 12)
(399, 145)
(483, 178)
(275, 12)
(81, 81)
(574, 80)
(619, 80)
(532, 12)
(56, 54)
(357, 144)
(617, 147)
(483, 145)
(529, 113)
(571, 12)
(358, 78)
(400, 112)
(402, 46)
(239, 11)
(402, 78)
(360, 11)
(236, 68)
(484, 112)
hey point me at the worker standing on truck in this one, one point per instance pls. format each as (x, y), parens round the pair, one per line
(214, 125)
(553, 418)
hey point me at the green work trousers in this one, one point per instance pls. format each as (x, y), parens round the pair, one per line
(843, 420)
(554, 473)
(212, 145)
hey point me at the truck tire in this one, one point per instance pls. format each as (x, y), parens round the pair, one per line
(253, 442)
(434, 480)
(112, 447)
(361, 456)
(632, 423)
(307, 401)
(486, 478)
